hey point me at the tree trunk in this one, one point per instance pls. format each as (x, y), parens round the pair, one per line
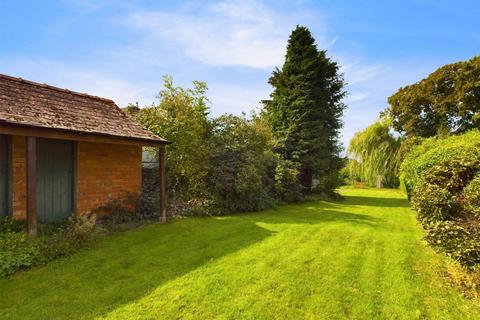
(379, 182)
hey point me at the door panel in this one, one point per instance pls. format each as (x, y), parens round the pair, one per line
(4, 177)
(55, 180)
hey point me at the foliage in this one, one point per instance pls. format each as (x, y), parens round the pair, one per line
(9, 224)
(471, 196)
(456, 241)
(18, 251)
(305, 109)
(453, 174)
(215, 166)
(181, 116)
(435, 150)
(448, 100)
(352, 173)
(375, 155)
(287, 181)
(233, 164)
(242, 165)
(434, 203)
(446, 199)
(468, 281)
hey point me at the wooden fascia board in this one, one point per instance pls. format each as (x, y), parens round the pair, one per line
(51, 133)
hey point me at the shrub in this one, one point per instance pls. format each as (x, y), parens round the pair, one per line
(433, 203)
(287, 181)
(18, 251)
(444, 175)
(242, 165)
(435, 150)
(456, 241)
(438, 196)
(471, 195)
(181, 116)
(8, 224)
(453, 174)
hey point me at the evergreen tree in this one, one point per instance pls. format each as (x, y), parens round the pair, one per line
(305, 110)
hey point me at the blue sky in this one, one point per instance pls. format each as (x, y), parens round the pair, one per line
(121, 49)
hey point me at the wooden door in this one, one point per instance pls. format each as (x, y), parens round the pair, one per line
(55, 180)
(4, 177)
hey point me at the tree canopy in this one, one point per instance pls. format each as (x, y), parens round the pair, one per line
(305, 110)
(447, 101)
(375, 154)
(181, 116)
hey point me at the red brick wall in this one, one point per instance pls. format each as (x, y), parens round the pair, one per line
(19, 177)
(105, 172)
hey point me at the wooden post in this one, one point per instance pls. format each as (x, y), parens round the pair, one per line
(162, 183)
(32, 186)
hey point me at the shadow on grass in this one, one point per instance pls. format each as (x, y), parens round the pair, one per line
(375, 202)
(128, 266)
(122, 268)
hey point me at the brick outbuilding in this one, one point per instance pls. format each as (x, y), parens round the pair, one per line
(64, 152)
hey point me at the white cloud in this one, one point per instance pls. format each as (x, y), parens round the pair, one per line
(194, 40)
(358, 72)
(227, 33)
(236, 99)
(356, 97)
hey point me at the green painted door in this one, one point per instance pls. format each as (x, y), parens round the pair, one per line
(55, 180)
(4, 177)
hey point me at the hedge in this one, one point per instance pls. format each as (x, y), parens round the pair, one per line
(435, 150)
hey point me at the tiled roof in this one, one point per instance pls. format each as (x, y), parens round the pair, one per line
(29, 103)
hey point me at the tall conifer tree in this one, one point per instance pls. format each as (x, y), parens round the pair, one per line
(305, 110)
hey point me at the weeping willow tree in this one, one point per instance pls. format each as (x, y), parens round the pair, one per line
(376, 153)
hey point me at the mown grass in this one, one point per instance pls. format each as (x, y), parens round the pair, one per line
(362, 258)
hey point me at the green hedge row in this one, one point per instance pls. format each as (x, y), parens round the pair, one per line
(442, 176)
(434, 150)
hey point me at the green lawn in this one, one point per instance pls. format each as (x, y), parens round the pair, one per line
(362, 258)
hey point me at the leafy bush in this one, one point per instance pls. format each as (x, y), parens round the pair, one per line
(18, 251)
(242, 165)
(181, 116)
(435, 150)
(287, 181)
(453, 174)
(471, 195)
(445, 178)
(438, 197)
(233, 163)
(434, 203)
(456, 241)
